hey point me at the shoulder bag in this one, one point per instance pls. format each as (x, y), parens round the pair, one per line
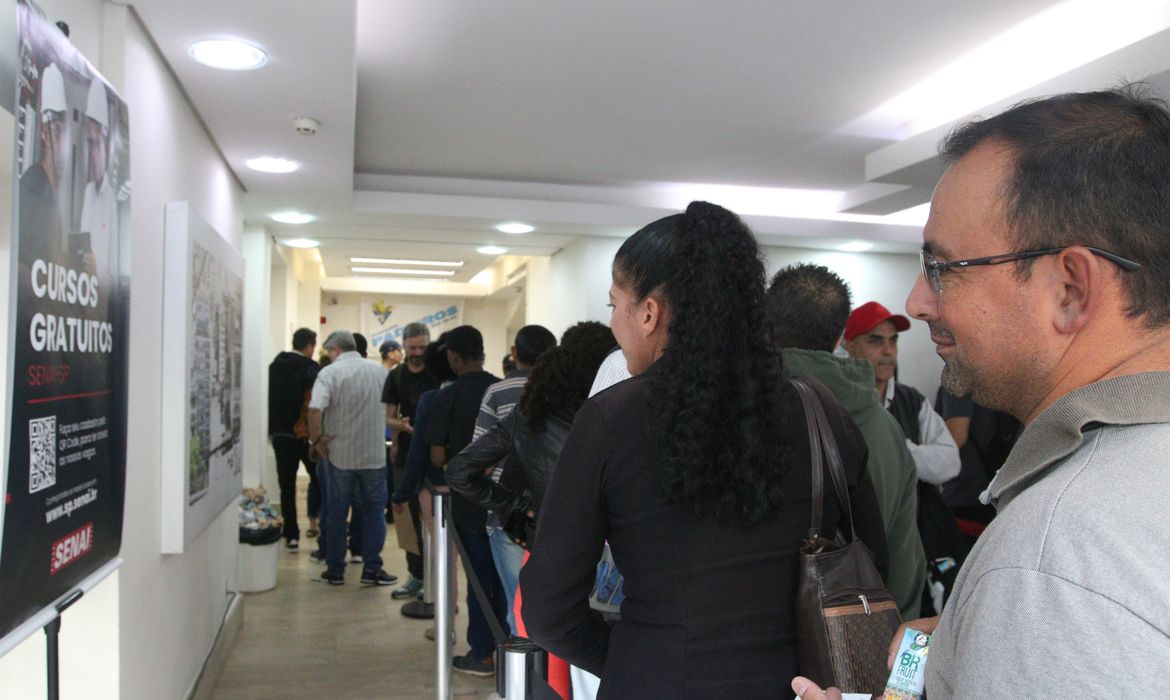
(845, 618)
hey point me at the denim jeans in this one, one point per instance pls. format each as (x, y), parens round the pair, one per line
(355, 530)
(366, 489)
(508, 556)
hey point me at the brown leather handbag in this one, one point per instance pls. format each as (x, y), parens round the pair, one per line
(845, 618)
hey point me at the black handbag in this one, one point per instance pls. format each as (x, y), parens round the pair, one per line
(845, 617)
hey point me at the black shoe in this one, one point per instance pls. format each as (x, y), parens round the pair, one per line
(332, 579)
(317, 555)
(474, 667)
(378, 578)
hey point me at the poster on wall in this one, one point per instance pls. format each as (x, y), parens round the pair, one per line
(203, 315)
(64, 470)
(382, 321)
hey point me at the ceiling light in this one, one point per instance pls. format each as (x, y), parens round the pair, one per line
(395, 261)
(491, 250)
(268, 164)
(400, 271)
(515, 227)
(300, 243)
(292, 217)
(855, 247)
(228, 54)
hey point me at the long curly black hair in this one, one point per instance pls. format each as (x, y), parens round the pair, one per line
(562, 377)
(717, 408)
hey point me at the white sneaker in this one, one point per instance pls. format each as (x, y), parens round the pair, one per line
(291, 546)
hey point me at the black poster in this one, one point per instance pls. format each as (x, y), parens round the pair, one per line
(64, 484)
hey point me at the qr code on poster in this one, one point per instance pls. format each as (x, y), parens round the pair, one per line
(42, 453)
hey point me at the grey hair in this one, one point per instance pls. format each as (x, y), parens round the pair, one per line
(340, 340)
(414, 330)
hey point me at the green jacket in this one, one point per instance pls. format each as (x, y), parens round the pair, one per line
(890, 465)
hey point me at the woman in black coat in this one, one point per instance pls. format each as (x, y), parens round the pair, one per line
(531, 436)
(696, 471)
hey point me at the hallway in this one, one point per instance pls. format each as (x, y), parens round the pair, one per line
(307, 639)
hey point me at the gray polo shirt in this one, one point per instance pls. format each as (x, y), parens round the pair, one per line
(349, 394)
(1067, 592)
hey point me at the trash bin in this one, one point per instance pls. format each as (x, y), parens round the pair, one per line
(259, 547)
(256, 564)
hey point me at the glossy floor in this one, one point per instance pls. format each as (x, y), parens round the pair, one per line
(307, 639)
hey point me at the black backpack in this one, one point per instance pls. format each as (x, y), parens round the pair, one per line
(945, 546)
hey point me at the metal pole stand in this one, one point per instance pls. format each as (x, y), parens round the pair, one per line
(53, 634)
(517, 669)
(441, 558)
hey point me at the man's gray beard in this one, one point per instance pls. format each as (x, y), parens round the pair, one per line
(957, 379)
(416, 361)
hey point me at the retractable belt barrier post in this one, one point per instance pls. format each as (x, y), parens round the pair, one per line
(521, 672)
(442, 562)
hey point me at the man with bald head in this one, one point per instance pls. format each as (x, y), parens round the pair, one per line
(1046, 286)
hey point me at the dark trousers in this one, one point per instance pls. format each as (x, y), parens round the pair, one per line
(414, 562)
(479, 634)
(291, 452)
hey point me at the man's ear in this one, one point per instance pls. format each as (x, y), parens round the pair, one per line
(1078, 287)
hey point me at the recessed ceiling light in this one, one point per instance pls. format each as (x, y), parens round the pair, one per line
(395, 261)
(400, 271)
(268, 164)
(228, 54)
(855, 247)
(491, 250)
(300, 243)
(515, 227)
(292, 217)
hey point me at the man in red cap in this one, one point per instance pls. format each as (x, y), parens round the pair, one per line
(871, 334)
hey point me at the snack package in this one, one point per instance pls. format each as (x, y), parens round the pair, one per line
(908, 677)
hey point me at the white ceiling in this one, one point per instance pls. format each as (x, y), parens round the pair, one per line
(442, 118)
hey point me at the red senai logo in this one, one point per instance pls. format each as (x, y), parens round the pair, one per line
(71, 547)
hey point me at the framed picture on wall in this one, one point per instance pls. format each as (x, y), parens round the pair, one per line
(203, 306)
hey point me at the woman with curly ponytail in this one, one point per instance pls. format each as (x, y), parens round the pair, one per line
(696, 470)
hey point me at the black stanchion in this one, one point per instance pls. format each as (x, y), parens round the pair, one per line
(53, 636)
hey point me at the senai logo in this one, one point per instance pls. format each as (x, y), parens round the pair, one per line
(71, 547)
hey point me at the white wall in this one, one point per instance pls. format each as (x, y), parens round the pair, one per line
(576, 287)
(171, 606)
(145, 631)
(258, 350)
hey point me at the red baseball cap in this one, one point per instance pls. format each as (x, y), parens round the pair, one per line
(867, 317)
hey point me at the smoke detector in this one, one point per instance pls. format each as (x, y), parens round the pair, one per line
(306, 126)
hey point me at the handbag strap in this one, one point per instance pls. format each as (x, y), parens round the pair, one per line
(823, 449)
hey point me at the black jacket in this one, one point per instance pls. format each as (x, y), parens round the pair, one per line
(709, 608)
(290, 375)
(534, 453)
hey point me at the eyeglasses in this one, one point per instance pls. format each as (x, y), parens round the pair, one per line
(932, 269)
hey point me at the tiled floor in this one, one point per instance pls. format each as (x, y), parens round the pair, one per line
(307, 639)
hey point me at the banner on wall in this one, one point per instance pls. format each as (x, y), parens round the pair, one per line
(438, 317)
(64, 473)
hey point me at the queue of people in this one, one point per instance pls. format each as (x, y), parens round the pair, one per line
(1042, 287)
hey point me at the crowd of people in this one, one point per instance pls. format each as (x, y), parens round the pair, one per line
(1014, 518)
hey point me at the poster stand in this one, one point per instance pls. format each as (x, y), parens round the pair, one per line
(53, 634)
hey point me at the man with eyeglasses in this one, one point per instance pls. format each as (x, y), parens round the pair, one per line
(1046, 287)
